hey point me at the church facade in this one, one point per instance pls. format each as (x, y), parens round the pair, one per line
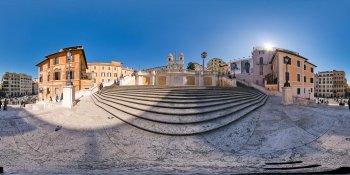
(176, 75)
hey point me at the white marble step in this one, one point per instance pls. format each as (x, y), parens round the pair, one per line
(177, 115)
(180, 94)
(170, 96)
(179, 129)
(174, 100)
(159, 102)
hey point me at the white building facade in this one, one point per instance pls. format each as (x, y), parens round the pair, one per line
(17, 84)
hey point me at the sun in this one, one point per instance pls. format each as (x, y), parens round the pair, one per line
(268, 46)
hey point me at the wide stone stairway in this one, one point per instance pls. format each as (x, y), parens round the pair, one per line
(178, 110)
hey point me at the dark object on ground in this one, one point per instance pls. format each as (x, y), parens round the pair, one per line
(282, 163)
(1, 169)
(58, 127)
(341, 170)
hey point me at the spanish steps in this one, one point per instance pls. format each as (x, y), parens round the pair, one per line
(184, 110)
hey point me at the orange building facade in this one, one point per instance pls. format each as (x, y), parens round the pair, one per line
(53, 73)
(301, 73)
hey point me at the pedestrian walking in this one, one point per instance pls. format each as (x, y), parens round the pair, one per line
(5, 105)
(101, 87)
(56, 98)
(50, 99)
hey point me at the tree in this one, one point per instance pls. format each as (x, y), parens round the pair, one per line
(204, 56)
(190, 66)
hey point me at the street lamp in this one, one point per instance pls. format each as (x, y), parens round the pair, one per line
(204, 55)
(287, 61)
(69, 58)
(234, 67)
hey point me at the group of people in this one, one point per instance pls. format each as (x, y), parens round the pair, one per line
(4, 104)
(322, 101)
(57, 99)
(341, 102)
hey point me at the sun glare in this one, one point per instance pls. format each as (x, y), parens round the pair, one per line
(268, 46)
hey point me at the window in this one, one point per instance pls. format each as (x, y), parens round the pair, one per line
(261, 61)
(71, 75)
(311, 80)
(115, 75)
(41, 78)
(305, 79)
(304, 67)
(109, 80)
(298, 91)
(311, 89)
(41, 68)
(48, 77)
(57, 76)
(56, 91)
(103, 68)
(109, 68)
(102, 74)
(94, 67)
(304, 90)
(298, 77)
(56, 60)
(298, 63)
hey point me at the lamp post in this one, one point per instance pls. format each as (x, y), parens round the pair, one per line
(204, 55)
(287, 61)
(69, 58)
(234, 69)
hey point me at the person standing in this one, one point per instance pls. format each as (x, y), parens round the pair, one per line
(0, 104)
(56, 98)
(349, 104)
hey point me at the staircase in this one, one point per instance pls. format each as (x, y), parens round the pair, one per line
(179, 110)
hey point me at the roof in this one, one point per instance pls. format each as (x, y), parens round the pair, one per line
(65, 50)
(310, 63)
(105, 63)
(290, 52)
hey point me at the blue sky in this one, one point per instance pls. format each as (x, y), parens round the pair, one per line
(142, 33)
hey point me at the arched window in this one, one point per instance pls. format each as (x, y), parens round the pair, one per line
(261, 61)
(247, 67)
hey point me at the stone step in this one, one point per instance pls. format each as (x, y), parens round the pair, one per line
(178, 89)
(183, 101)
(173, 87)
(168, 115)
(180, 129)
(179, 97)
(184, 94)
(182, 89)
(183, 104)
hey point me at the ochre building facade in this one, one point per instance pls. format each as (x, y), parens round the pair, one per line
(53, 73)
